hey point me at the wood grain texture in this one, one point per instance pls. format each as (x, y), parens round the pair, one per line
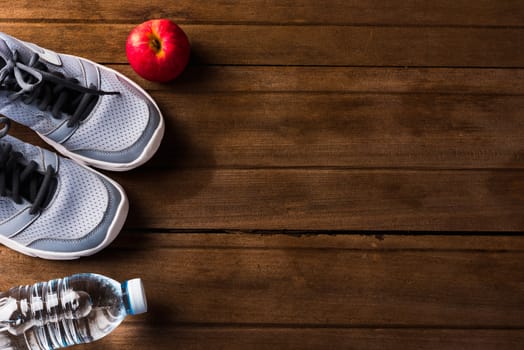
(403, 119)
(232, 338)
(227, 79)
(299, 45)
(342, 130)
(335, 199)
(343, 287)
(343, 123)
(370, 12)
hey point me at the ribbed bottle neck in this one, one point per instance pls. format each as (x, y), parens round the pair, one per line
(126, 299)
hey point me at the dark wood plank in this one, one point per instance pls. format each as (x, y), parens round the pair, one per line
(205, 79)
(406, 12)
(277, 287)
(252, 338)
(290, 129)
(347, 130)
(299, 45)
(326, 199)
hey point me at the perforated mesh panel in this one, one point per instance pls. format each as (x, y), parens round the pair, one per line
(27, 116)
(7, 209)
(116, 122)
(79, 206)
(70, 68)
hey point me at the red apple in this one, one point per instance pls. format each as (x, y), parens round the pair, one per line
(158, 50)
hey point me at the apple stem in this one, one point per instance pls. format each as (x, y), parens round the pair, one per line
(156, 44)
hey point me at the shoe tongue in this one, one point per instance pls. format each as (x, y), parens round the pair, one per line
(8, 45)
(29, 151)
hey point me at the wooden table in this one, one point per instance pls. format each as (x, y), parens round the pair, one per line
(338, 174)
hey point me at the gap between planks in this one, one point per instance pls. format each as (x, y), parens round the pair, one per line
(379, 241)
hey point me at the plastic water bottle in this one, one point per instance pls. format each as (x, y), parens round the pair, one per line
(67, 311)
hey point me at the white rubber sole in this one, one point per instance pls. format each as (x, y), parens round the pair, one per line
(113, 231)
(146, 154)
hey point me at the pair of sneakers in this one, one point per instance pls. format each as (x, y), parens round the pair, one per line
(55, 207)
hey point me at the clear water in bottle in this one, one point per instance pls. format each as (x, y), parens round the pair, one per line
(67, 311)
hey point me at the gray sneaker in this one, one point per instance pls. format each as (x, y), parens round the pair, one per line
(52, 207)
(86, 111)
